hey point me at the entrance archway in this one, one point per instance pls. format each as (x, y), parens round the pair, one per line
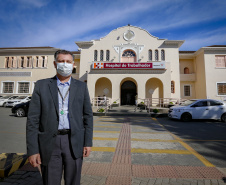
(128, 93)
(103, 86)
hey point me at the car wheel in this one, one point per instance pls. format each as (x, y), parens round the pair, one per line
(186, 117)
(223, 118)
(20, 112)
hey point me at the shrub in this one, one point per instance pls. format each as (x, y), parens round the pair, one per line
(101, 110)
(170, 102)
(155, 110)
(115, 102)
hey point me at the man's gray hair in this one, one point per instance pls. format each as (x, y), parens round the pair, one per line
(62, 52)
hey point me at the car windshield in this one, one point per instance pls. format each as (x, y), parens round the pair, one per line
(187, 102)
(21, 97)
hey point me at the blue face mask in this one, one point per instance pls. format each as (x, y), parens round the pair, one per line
(64, 69)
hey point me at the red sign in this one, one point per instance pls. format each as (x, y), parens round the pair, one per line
(145, 65)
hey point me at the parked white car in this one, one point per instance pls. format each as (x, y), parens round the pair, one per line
(4, 99)
(19, 99)
(199, 109)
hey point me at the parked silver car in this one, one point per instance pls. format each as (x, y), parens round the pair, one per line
(19, 99)
(4, 99)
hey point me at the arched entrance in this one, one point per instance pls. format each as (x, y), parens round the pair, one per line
(128, 93)
(103, 87)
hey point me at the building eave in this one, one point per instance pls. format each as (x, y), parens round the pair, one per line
(174, 42)
(27, 50)
(84, 44)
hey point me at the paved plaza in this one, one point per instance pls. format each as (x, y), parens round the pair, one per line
(135, 151)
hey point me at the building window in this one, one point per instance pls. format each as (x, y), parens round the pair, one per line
(23, 87)
(162, 55)
(156, 55)
(128, 56)
(95, 55)
(187, 90)
(8, 87)
(221, 89)
(101, 55)
(220, 61)
(186, 70)
(28, 61)
(107, 55)
(22, 62)
(172, 87)
(150, 54)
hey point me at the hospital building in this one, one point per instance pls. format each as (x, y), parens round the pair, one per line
(129, 61)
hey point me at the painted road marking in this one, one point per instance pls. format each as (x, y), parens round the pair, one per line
(107, 126)
(190, 149)
(161, 151)
(155, 140)
(104, 138)
(103, 149)
(11, 132)
(200, 157)
(103, 131)
(150, 132)
(140, 150)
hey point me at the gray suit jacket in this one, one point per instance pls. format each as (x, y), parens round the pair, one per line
(43, 118)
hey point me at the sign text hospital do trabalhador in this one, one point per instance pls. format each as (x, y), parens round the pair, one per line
(149, 65)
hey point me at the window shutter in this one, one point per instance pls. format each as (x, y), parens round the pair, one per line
(14, 62)
(19, 62)
(25, 61)
(29, 60)
(10, 62)
(40, 61)
(34, 61)
(45, 63)
(220, 61)
(6, 61)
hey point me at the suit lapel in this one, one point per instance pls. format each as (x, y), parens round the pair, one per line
(54, 93)
(73, 92)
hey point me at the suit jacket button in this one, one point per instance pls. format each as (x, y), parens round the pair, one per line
(54, 135)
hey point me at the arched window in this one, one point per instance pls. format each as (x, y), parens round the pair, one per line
(101, 55)
(107, 55)
(162, 55)
(186, 70)
(150, 54)
(128, 56)
(172, 87)
(95, 55)
(156, 55)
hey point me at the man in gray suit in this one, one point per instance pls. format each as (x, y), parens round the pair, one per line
(60, 124)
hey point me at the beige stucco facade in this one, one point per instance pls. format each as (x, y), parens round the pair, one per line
(183, 74)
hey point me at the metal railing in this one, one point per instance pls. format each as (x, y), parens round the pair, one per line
(101, 103)
(161, 102)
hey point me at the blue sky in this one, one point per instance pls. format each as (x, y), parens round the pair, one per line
(58, 23)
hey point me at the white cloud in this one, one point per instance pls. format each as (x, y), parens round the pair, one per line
(215, 37)
(34, 3)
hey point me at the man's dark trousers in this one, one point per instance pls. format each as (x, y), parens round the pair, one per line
(62, 159)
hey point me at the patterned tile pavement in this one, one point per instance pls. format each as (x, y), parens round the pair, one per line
(130, 147)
